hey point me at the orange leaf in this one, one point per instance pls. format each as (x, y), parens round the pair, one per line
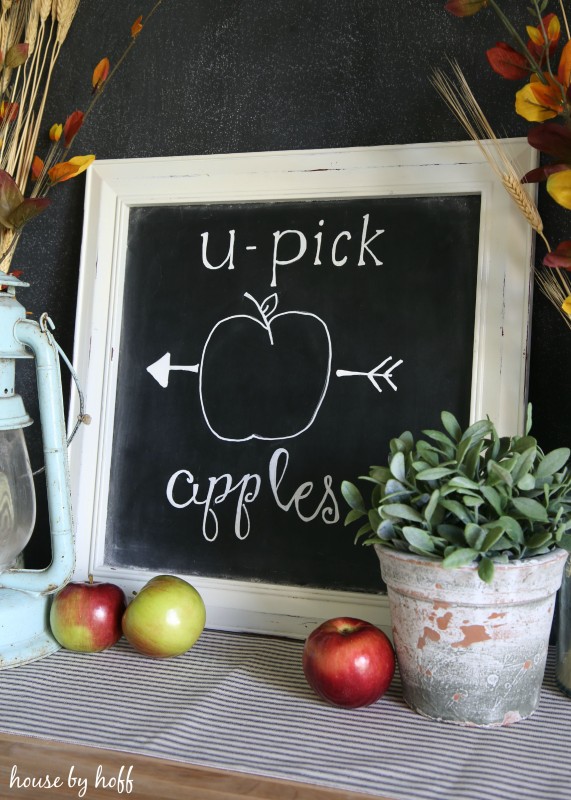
(37, 167)
(548, 95)
(69, 169)
(100, 74)
(564, 69)
(137, 27)
(72, 125)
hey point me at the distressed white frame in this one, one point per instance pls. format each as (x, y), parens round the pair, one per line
(501, 330)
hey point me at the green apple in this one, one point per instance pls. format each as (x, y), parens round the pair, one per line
(165, 618)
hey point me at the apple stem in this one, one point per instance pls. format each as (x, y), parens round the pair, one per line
(264, 316)
(90, 578)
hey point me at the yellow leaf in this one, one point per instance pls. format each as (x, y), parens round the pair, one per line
(55, 132)
(526, 106)
(535, 35)
(566, 305)
(559, 187)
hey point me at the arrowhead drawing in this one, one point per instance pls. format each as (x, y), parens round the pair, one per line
(161, 369)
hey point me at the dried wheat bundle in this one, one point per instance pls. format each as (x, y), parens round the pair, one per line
(31, 35)
(455, 91)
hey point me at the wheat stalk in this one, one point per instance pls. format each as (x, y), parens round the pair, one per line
(65, 12)
(554, 283)
(44, 25)
(44, 8)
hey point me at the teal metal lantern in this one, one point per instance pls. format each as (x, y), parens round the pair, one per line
(24, 594)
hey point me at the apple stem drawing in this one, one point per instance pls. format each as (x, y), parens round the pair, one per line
(266, 309)
(374, 373)
(300, 380)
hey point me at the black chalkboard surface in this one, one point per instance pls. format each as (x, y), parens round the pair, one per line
(268, 351)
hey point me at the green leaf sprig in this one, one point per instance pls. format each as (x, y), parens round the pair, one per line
(466, 496)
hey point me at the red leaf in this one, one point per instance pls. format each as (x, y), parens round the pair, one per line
(9, 111)
(542, 173)
(560, 258)
(10, 197)
(507, 62)
(553, 139)
(30, 208)
(465, 8)
(71, 128)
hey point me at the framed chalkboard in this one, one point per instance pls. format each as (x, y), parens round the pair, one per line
(254, 328)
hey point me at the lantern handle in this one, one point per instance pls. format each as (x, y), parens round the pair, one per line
(45, 321)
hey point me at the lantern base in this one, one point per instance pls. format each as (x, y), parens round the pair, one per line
(24, 628)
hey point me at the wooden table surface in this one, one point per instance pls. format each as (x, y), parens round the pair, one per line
(24, 758)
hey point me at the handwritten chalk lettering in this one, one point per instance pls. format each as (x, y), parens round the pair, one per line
(122, 785)
(278, 236)
(329, 512)
(229, 258)
(246, 490)
(291, 245)
(284, 237)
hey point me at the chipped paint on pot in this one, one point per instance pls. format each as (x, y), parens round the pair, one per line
(470, 652)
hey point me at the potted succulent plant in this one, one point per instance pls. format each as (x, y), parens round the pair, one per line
(472, 532)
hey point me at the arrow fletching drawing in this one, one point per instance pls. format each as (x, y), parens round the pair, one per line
(374, 375)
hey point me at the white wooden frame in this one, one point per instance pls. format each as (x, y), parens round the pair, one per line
(500, 335)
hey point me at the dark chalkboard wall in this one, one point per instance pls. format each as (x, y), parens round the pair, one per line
(232, 466)
(217, 76)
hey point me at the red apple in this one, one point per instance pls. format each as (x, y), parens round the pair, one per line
(165, 618)
(87, 616)
(348, 662)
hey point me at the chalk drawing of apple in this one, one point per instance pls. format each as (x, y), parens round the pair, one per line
(263, 375)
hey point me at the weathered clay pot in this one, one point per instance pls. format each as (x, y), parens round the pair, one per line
(470, 652)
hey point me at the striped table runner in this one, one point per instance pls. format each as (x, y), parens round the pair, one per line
(240, 702)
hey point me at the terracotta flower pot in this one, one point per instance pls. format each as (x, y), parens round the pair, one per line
(470, 652)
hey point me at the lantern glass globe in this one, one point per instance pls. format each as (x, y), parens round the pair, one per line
(17, 496)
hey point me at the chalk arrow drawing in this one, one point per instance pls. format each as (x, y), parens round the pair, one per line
(161, 369)
(287, 378)
(374, 374)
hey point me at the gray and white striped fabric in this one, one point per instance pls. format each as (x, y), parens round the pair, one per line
(240, 702)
